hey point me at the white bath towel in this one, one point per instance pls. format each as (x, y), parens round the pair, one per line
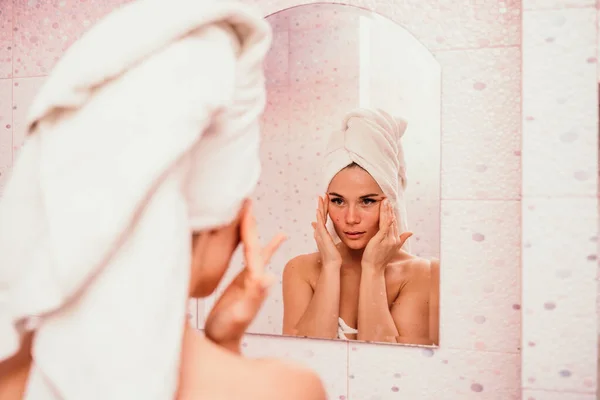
(146, 130)
(345, 329)
(371, 138)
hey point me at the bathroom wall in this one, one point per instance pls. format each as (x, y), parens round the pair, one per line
(519, 195)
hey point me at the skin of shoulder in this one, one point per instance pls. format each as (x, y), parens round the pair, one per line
(210, 372)
(304, 266)
(410, 271)
(297, 382)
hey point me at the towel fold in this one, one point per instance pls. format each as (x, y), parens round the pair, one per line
(371, 138)
(146, 130)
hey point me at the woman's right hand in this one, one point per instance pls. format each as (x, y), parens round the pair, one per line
(330, 256)
(239, 304)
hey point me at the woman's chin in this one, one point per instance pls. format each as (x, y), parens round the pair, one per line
(355, 244)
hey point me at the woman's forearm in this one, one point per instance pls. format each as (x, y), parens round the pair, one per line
(320, 319)
(375, 322)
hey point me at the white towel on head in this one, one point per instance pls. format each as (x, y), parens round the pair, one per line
(371, 138)
(146, 130)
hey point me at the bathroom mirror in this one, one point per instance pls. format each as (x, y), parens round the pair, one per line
(327, 60)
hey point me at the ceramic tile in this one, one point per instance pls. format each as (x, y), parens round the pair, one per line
(6, 131)
(481, 155)
(6, 123)
(43, 30)
(459, 24)
(385, 372)
(548, 395)
(533, 5)
(480, 276)
(560, 130)
(559, 294)
(6, 37)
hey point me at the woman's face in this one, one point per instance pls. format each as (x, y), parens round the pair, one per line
(354, 199)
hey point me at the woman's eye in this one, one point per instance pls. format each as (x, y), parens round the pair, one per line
(368, 201)
(336, 201)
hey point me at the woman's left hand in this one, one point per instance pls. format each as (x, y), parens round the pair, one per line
(384, 246)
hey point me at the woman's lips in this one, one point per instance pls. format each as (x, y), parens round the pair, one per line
(353, 235)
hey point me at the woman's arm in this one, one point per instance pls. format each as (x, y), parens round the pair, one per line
(411, 309)
(375, 321)
(307, 312)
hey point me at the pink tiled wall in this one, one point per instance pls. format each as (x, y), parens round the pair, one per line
(518, 187)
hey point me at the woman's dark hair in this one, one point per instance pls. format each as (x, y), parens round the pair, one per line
(353, 165)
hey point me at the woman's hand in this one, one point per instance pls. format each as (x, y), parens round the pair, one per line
(240, 302)
(384, 246)
(330, 256)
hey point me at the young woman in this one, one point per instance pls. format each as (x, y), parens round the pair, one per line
(366, 286)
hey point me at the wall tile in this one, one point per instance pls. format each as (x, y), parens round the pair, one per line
(481, 155)
(548, 395)
(559, 294)
(560, 131)
(385, 372)
(6, 36)
(556, 4)
(6, 130)
(43, 30)
(479, 275)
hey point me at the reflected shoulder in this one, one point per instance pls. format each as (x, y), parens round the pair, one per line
(303, 261)
(420, 267)
(412, 268)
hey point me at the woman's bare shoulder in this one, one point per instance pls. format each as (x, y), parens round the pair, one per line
(303, 264)
(294, 381)
(411, 268)
(263, 379)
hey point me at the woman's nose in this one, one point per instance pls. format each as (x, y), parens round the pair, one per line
(352, 216)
